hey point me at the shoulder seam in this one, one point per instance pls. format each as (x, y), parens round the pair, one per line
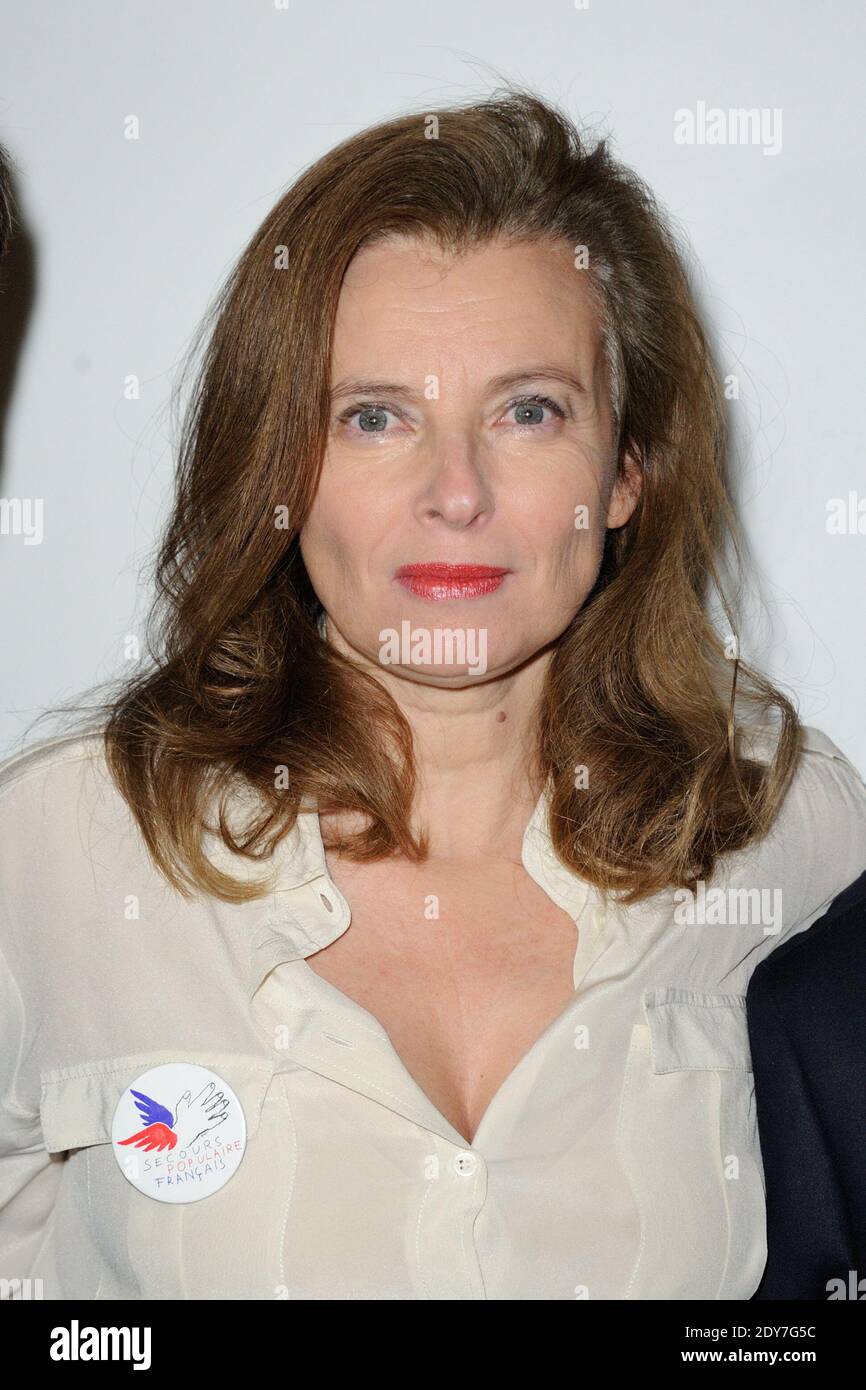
(77, 754)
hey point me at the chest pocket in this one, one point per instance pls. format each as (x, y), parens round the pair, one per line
(112, 1241)
(687, 1138)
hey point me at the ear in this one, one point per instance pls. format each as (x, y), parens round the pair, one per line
(626, 492)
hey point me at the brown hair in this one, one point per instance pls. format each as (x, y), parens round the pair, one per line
(639, 688)
(7, 212)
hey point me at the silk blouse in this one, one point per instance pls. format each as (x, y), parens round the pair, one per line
(618, 1160)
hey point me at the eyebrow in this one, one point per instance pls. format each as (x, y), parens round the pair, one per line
(546, 371)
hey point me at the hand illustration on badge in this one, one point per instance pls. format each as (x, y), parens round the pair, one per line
(192, 1118)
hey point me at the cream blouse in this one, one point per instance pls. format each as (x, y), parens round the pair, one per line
(619, 1160)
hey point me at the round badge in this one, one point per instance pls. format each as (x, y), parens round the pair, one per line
(178, 1132)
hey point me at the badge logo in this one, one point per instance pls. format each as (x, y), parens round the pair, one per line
(179, 1132)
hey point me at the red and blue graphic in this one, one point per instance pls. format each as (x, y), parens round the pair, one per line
(192, 1117)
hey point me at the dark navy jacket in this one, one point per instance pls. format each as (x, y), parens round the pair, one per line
(806, 1011)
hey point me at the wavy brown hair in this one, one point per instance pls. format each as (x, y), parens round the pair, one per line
(7, 214)
(639, 688)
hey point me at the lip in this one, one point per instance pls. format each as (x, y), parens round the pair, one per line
(441, 581)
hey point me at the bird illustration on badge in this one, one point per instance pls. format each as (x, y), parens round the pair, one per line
(192, 1117)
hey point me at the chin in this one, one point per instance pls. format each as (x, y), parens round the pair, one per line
(446, 678)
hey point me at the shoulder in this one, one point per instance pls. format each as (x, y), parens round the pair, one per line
(826, 796)
(46, 772)
(824, 809)
(816, 749)
(60, 811)
(816, 845)
(68, 834)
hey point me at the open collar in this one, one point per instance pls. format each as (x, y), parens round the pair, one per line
(305, 911)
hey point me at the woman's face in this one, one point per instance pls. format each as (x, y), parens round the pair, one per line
(470, 427)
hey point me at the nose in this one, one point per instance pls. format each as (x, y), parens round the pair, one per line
(456, 488)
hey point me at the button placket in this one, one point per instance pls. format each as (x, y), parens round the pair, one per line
(441, 1235)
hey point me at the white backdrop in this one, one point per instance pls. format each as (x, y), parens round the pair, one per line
(125, 242)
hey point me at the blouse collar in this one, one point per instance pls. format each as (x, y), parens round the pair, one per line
(305, 911)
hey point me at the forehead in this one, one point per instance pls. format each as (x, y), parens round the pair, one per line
(500, 299)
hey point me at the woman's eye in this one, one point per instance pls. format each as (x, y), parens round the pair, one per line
(530, 410)
(371, 419)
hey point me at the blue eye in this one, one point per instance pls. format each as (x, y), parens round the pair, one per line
(372, 418)
(530, 409)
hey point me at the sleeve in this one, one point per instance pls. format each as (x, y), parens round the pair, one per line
(808, 1241)
(28, 1173)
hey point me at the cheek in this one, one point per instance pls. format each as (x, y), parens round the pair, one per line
(564, 532)
(328, 552)
(321, 550)
(574, 558)
(331, 531)
(343, 538)
(563, 499)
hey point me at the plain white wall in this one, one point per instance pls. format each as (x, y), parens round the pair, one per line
(126, 242)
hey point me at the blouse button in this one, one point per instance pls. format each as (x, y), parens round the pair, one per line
(465, 1164)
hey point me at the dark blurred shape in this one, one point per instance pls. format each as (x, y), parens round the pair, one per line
(807, 1030)
(17, 286)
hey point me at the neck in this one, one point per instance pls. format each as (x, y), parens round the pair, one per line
(473, 749)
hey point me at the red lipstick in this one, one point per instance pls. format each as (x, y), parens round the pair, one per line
(440, 581)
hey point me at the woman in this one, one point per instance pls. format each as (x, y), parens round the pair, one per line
(389, 938)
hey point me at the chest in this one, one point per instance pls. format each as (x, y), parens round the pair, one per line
(463, 966)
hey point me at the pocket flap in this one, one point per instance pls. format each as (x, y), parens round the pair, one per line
(693, 1031)
(78, 1103)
